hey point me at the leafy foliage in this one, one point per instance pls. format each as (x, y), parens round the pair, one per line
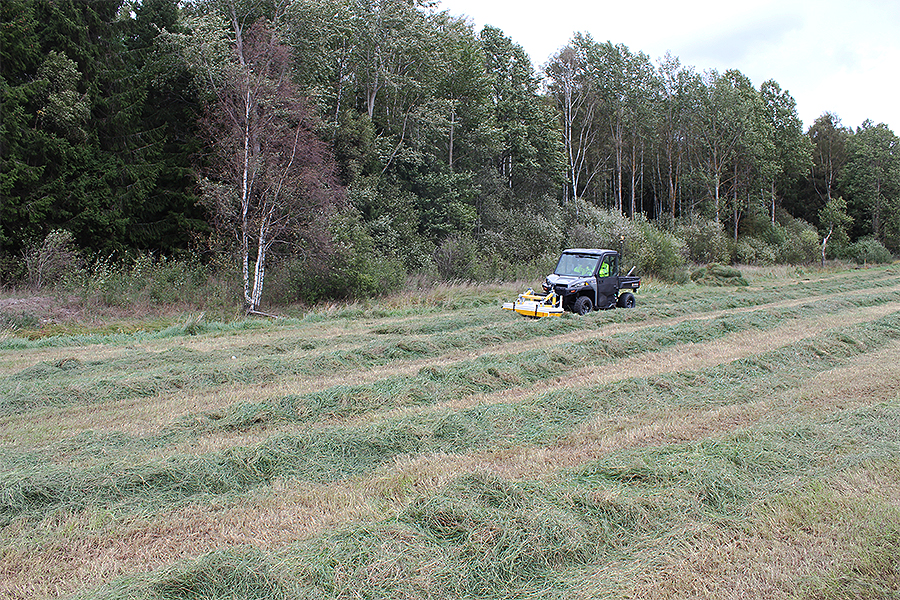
(459, 158)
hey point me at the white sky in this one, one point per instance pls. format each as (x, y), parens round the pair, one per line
(840, 56)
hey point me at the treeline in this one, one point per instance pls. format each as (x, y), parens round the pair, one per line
(426, 147)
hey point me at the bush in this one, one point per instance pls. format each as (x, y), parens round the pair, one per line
(655, 251)
(516, 231)
(705, 241)
(350, 268)
(589, 226)
(755, 251)
(808, 249)
(49, 263)
(457, 258)
(526, 236)
(148, 280)
(868, 250)
(17, 320)
(796, 241)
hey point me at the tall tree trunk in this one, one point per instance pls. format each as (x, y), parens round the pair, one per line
(259, 271)
(773, 201)
(452, 124)
(633, 178)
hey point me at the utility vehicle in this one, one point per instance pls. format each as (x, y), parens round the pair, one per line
(585, 279)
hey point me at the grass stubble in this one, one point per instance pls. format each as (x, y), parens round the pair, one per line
(759, 462)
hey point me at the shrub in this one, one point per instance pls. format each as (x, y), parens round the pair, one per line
(457, 258)
(755, 251)
(868, 250)
(796, 241)
(655, 251)
(351, 267)
(49, 263)
(589, 226)
(17, 320)
(705, 241)
(808, 248)
(517, 231)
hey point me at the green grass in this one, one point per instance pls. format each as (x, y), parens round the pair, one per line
(486, 537)
(630, 522)
(146, 374)
(332, 453)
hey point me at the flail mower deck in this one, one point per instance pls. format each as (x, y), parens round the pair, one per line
(536, 305)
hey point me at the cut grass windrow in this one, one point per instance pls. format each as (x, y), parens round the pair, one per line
(488, 537)
(64, 547)
(333, 453)
(358, 401)
(491, 373)
(179, 370)
(69, 380)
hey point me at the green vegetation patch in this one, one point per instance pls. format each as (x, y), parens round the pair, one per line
(333, 453)
(488, 537)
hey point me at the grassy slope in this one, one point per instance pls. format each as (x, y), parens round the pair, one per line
(711, 442)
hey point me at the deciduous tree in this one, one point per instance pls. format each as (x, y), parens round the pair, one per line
(793, 150)
(872, 178)
(834, 220)
(272, 177)
(577, 99)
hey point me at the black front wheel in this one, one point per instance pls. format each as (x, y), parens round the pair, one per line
(583, 306)
(626, 300)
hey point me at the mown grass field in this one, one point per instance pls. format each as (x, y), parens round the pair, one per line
(711, 443)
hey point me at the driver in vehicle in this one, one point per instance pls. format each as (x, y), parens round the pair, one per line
(604, 269)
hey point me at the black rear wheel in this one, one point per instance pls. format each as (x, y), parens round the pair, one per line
(626, 300)
(583, 306)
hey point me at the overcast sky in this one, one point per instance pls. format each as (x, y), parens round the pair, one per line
(831, 55)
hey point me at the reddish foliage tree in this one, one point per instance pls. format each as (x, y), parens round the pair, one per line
(272, 177)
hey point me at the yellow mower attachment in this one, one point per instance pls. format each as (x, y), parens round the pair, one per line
(534, 305)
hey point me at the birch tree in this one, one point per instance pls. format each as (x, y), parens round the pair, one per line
(271, 178)
(674, 115)
(829, 138)
(872, 176)
(578, 103)
(718, 132)
(834, 220)
(793, 150)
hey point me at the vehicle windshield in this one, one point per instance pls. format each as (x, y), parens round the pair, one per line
(577, 265)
